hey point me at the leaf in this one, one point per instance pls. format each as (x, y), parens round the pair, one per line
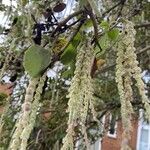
(36, 60)
(24, 2)
(76, 40)
(1, 29)
(88, 23)
(105, 25)
(59, 44)
(68, 55)
(100, 63)
(104, 43)
(113, 34)
(83, 3)
(3, 97)
(69, 73)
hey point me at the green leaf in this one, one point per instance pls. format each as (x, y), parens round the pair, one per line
(88, 23)
(24, 2)
(3, 97)
(1, 29)
(36, 60)
(76, 40)
(69, 73)
(68, 55)
(113, 34)
(82, 3)
(105, 25)
(104, 43)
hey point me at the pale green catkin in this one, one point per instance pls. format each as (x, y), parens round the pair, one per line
(80, 94)
(135, 69)
(32, 118)
(3, 115)
(126, 69)
(24, 116)
(5, 65)
(122, 79)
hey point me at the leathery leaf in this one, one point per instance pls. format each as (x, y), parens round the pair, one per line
(36, 60)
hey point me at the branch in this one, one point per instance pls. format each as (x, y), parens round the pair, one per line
(65, 21)
(121, 8)
(57, 128)
(113, 7)
(94, 22)
(95, 25)
(57, 57)
(143, 25)
(73, 35)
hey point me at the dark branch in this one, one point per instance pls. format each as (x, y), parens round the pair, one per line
(112, 8)
(57, 57)
(95, 25)
(143, 25)
(63, 23)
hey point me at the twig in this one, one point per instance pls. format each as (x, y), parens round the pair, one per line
(121, 8)
(33, 17)
(95, 25)
(73, 35)
(37, 137)
(143, 25)
(70, 25)
(113, 7)
(65, 21)
(66, 27)
(57, 128)
(57, 57)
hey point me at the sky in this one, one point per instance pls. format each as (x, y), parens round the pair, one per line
(68, 10)
(2, 17)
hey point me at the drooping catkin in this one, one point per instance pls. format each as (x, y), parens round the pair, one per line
(24, 116)
(32, 118)
(5, 65)
(136, 70)
(80, 94)
(125, 90)
(126, 69)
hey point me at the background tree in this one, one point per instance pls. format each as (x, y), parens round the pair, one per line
(80, 56)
